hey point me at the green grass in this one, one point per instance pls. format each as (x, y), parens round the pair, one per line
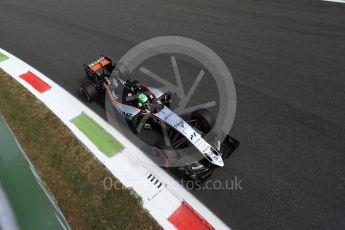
(100, 137)
(72, 174)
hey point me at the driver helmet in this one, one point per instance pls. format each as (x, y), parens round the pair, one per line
(142, 98)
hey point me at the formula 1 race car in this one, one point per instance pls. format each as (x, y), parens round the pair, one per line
(147, 108)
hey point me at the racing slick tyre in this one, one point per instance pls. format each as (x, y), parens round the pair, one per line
(88, 91)
(205, 119)
(159, 153)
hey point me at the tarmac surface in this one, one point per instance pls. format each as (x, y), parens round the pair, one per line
(287, 58)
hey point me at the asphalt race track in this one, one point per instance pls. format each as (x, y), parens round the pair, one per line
(287, 58)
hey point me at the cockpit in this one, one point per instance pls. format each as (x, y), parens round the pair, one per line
(142, 98)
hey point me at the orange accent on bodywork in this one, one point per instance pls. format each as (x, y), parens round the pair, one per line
(114, 100)
(109, 92)
(99, 65)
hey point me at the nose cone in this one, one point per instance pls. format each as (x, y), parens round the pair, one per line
(215, 159)
(220, 162)
(214, 156)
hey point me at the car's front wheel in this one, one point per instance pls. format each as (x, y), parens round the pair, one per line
(204, 120)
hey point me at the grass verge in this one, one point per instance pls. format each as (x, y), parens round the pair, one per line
(71, 173)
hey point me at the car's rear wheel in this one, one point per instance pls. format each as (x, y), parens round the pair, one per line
(88, 91)
(204, 120)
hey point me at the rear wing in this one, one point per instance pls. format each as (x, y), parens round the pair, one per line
(100, 62)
